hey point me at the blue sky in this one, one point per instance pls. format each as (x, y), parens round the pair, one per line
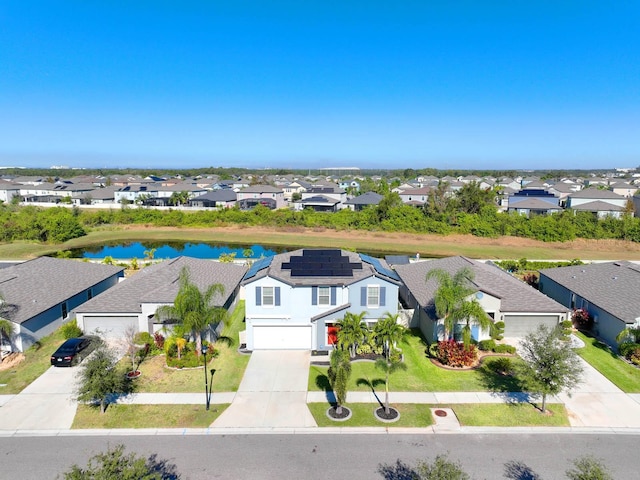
(307, 84)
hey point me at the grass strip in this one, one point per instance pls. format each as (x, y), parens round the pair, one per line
(411, 415)
(147, 416)
(510, 415)
(626, 377)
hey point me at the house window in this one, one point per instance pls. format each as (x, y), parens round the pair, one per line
(90, 294)
(268, 296)
(324, 296)
(373, 296)
(573, 300)
(65, 311)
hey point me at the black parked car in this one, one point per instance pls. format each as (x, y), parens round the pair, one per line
(72, 351)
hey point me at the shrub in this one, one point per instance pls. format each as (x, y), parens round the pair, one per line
(71, 329)
(626, 349)
(143, 338)
(581, 319)
(634, 357)
(189, 359)
(532, 279)
(487, 345)
(158, 339)
(364, 349)
(502, 366)
(433, 350)
(498, 331)
(455, 354)
(567, 329)
(504, 348)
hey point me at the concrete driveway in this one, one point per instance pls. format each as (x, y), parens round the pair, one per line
(273, 392)
(599, 403)
(48, 403)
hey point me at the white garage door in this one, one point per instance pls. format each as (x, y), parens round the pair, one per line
(520, 325)
(282, 338)
(109, 328)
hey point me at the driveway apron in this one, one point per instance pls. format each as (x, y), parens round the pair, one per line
(273, 392)
(599, 403)
(48, 403)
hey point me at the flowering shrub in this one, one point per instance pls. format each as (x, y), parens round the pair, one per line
(455, 354)
(581, 319)
(158, 339)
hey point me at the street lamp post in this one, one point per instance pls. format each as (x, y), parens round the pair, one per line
(206, 380)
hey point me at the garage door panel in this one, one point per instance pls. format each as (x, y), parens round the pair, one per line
(282, 338)
(520, 325)
(109, 327)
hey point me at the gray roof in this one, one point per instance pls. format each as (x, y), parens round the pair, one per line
(261, 189)
(612, 286)
(595, 193)
(275, 270)
(514, 295)
(32, 287)
(532, 203)
(159, 284)
(369, 198)
(222, 195)
(598, 206)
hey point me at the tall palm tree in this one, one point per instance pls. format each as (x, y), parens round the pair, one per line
(193, 308)
(352, 330)
(453, 305)
(339, 373)
(388, 332)
(388, 367)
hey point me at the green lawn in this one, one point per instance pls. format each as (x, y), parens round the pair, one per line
(147, 416)
(421, 375)
(510, 415)
(229, 366)
(476, 415)
(37, 360)
(625, 376)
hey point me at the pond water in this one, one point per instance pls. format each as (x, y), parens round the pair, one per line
(172, 250)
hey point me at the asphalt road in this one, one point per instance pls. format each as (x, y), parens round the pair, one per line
(314, 456)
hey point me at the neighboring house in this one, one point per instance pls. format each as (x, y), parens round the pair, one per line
(8, 190)
(609, 291)
(363, 201)
(297, 186)
(267, 195)
(98, 196)
(505, 298)
(602, 203)
(415, 196)
(41, 294)
(319, 203)
(329, 191)
(134, 301)
(624, 189)
(216, 199)
(294, 299)
(533, 201)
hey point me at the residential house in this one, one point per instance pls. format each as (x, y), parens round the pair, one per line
(134, 301)
(41, 294)
(8, 190)
(415, 196)
(602, 203)
(328, 198)
(502, 296)
(533, 201)
(295, 299)
(363, 201)
(609, 292)
(297, 186)
(624, 189)
(216, 199)
(266, 195)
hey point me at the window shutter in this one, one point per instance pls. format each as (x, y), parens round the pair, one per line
(333, 295)
(383, 291)
(363, 296)
(277, 289)
(258, 296)
(314, 295)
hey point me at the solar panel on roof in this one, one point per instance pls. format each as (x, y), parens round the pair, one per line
(257, 266)
(375, 263)
(321, 263)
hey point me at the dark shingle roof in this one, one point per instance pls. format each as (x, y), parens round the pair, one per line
(598, 206)
(159, 284)
(35, 286)
(369, 198)
(612, 286)
(275, 269)
(514, 295)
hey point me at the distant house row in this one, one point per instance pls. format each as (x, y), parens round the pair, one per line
(295, 300)
(524, 196)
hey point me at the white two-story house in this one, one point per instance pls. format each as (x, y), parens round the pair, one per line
(294, 299)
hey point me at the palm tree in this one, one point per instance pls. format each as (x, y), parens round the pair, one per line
(452, 302)
(388, 367)
(193, 308)
(339, 373)
(629, 334)
(352, 331)
(388, 332)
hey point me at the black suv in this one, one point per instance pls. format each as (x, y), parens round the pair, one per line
(73, 351)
